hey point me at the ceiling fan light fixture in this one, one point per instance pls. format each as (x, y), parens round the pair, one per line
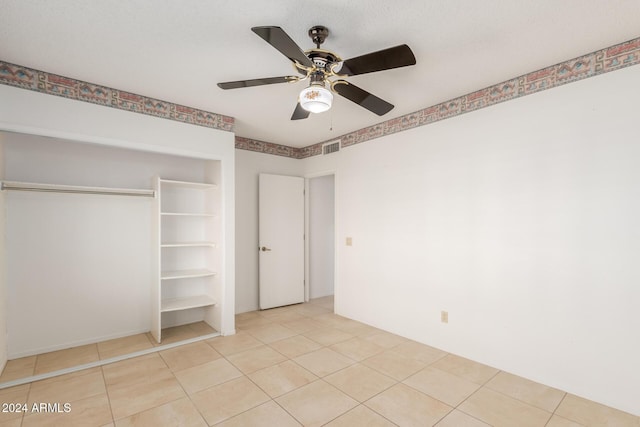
(315, 98)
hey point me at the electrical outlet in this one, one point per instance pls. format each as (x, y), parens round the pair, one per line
(444, 316)
(349, 241)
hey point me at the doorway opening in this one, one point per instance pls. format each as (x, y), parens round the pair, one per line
(320, 240)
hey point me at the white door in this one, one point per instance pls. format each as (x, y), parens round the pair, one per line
(281, 240)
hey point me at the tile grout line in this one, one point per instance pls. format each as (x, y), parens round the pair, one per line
(106, 388)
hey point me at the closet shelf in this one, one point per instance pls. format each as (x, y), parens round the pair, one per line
(185, 303)
(186, 274)
(184, 184)
(187, 244)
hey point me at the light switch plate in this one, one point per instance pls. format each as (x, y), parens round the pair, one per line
(349, 241)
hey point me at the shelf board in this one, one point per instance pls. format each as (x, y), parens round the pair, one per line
(186, 184)
(186, 274)
(205, 215)
(187, 244)
(185, 303)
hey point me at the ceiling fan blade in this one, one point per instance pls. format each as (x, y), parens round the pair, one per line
(299, 113)
(362, 97)
(386, 59)
(277, 38)
(257, 82)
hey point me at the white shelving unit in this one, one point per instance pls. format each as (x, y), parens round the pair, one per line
(188, 283)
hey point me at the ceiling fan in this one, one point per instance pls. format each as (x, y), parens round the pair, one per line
(324, 68)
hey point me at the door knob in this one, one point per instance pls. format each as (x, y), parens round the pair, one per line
(264, 249)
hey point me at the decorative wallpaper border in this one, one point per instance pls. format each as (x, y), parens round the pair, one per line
(602, 61)
(52, 84)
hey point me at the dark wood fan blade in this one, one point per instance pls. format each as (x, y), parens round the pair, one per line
(300, 113)
(394, 57)
(362, 97)
(256, 82)
(277, 38)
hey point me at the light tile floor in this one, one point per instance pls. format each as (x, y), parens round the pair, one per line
(292, 366)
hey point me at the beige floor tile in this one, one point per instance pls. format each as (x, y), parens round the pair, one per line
(357, 348)
(61, 359)
(201, 328)
(234, 343)
(138, 384)
(557, 421)
(18, 368)
(92, 411)
(268, 414)
(312, 310)
(421, 352)
(442, 385)
(282, 378)
(248, 315)
(277, 311)
(530, 392)
(290, 316)
(500, 410)
(328, 336)
(177, 333)
(253, 322)
(15, 422)
(227, 400)
(68, 388)
(332, 320)
(13, 395)
(328, 299)
(316, 404)
(394, 365)
(304, 325)
(323, 362)
(206, 375)
(360, 382)
(295, 346)
(359, 329)
(189, 355)
(460, 419)
(271, 333)
(124, 345)
(130, 369)
(360, 416)
(594, 414)
(257, 358)
(465, 368)
(407, 407)
(129, 399)
(385, 339)
(180, 412)
(17, 391)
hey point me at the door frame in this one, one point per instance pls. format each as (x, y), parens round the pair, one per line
(307, 249)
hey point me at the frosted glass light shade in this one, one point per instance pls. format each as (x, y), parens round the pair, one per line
(315, 99)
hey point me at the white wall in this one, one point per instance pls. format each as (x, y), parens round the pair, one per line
(3, 283)
(39, 114)
(248, 165)
(521, 220)
(321, 236)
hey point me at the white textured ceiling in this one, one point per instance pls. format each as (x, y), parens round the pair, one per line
(177, 50)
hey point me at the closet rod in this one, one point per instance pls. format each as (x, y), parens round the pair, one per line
(53, 188)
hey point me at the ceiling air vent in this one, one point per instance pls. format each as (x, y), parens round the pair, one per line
(331, 147)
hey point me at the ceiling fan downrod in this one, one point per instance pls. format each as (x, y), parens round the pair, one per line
(318, 34)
